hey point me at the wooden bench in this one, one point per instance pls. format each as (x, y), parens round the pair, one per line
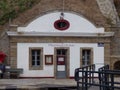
(14, 72)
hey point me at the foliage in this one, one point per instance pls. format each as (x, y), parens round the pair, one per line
(9, 9)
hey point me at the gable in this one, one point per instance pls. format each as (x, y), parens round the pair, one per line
(46, 22)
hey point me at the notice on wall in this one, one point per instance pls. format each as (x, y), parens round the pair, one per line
(60, 59)
(61, 68)
(100, 44)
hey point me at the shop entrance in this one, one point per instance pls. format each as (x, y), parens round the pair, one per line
(61, 63)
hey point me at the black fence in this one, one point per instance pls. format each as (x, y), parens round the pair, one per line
(85, 78)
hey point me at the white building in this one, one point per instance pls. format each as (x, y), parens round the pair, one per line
(56, 43)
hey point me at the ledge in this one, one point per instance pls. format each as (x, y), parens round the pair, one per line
(67, 34)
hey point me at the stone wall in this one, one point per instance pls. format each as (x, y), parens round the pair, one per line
(86, 8)
(4, 46)
(115, 46)
(108, 9)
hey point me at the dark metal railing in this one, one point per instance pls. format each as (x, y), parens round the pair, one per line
(107, 78)
(84, 77)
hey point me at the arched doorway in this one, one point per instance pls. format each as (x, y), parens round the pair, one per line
(117, 65)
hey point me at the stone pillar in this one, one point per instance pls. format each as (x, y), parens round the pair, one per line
(107, 53)
(13, 55)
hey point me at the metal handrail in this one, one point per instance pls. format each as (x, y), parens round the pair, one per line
(105, 75)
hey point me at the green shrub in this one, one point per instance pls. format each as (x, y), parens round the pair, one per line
(9, 9)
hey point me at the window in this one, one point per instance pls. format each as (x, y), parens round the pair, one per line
(86, 56)
(61, 24)
(36, 58)
(61, 52)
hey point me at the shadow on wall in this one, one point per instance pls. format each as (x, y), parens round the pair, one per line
(117, 65)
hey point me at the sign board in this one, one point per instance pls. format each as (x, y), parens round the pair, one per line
(100, 44)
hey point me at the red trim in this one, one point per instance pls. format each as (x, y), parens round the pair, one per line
(35, 77)
(62, 28)
(42, 77)
(71, 77)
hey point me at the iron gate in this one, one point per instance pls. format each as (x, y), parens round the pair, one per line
(85, 78)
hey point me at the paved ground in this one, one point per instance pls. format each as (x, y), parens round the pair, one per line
(94, 88)
(39, 84)
(35, 84)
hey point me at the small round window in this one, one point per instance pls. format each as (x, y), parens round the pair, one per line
(61, 24)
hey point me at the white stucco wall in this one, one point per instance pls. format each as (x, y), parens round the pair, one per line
(48, 48)
(45, 23)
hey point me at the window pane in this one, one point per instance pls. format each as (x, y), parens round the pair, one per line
(88, 57)
(33, 63)
(33, 52)
(38, 52)
(58, 52)
(83, 62)
(38, 57)
(33, 57)
(88, 63)
(63, 52)
(38, 62)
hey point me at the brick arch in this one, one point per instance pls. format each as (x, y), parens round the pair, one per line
(89, 10)
(117, 65)
(66, 11)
